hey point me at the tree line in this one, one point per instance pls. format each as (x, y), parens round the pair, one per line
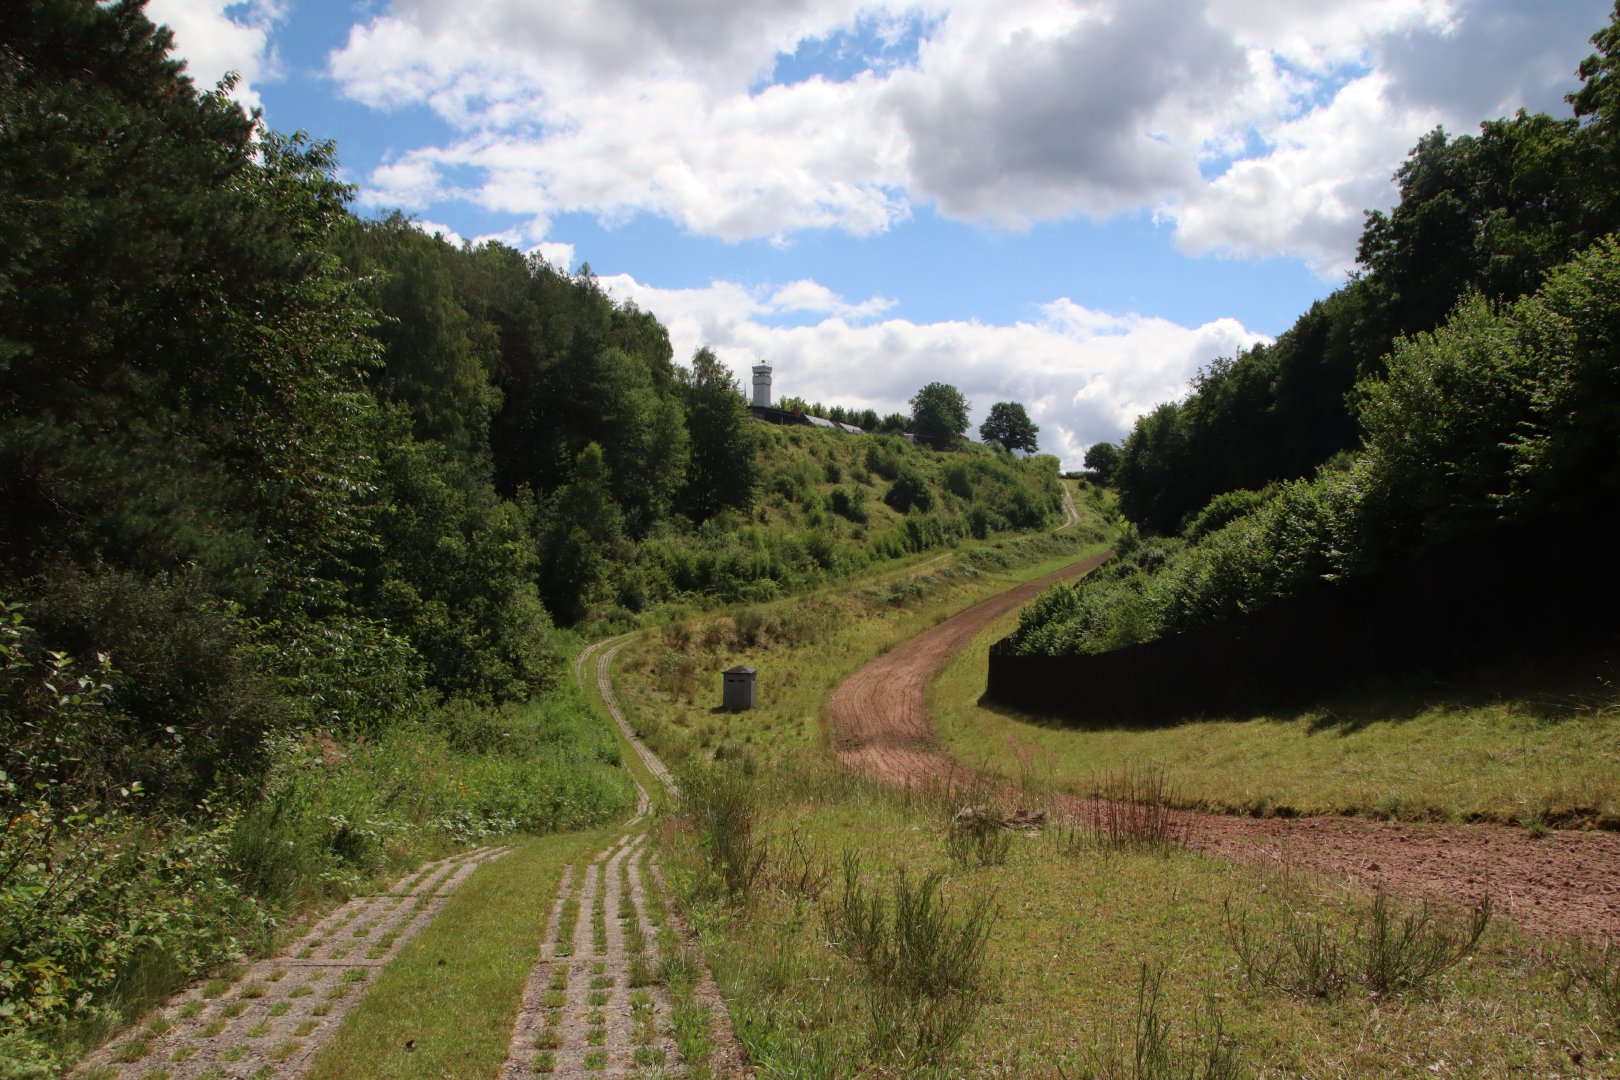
(1319, 458)
(1488, 214)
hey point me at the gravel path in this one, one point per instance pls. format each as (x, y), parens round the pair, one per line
(1563, 883)
(593, 1005)
(270, 1021)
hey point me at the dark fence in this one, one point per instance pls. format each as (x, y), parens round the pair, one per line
(1516, 593)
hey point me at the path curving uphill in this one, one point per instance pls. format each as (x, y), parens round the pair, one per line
(880, 727)
(1562, 883)
(592, 1006)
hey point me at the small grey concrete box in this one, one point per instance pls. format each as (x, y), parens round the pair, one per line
(740, 688)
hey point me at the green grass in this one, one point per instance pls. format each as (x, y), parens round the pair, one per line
(669, 679)
(1073, 935)
(454, 990)
(1098, 955)
(1526, 752)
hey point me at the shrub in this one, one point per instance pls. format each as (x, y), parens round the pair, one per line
(754, 627)
(882, 458)
(95, 907)
(1221, 510)
(1385, 950)
(924, 968)
(847, 505)
(185, 706)
(909, 490)
(922, 532)
(722, 803)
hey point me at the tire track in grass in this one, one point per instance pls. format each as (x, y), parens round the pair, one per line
(271, 1019)
(592, 1006)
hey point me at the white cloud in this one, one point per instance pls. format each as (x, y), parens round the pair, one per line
(433, 228)
(558, 255)
(217, 36)
(1014, 111)
(812, 296)
(1451, 64)
(1305, 199)
(1083, 375)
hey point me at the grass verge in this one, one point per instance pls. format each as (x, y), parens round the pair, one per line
(445, 1006)
(1098, 962)
(1542, 750)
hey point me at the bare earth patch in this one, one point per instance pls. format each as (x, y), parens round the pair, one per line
(1561, 883)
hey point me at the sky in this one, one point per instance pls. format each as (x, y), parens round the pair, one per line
(1071, 204)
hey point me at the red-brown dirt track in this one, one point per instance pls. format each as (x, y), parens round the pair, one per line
(1562, 883)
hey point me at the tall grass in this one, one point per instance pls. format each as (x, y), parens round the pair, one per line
(1130, 809)
(1592, 971)
(924, 967)
(1153, 1050)
(722, 803)
(1387, 949)
(330, 817)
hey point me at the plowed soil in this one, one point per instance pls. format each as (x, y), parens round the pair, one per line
(1563, 883)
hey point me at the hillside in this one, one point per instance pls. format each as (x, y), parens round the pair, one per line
(832, 504)
(1464, 386)
(299, 514)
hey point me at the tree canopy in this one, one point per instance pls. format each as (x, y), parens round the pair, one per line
(939, 411)
(1102, 459)
(722, 472)
(1009, 425)
(1491, 213)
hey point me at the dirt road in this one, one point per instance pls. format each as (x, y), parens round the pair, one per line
(1561, 883)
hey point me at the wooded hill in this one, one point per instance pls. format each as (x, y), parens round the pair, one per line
(292, 506)
(1468, 378)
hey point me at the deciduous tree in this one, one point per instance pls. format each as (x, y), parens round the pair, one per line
(939, 411)
(1009, 425)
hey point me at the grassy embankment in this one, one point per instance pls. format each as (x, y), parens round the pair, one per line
(1503, 747)
(1108, 960)
(831, 506)
(805, 646)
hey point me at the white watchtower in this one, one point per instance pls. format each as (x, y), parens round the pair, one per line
(762, 385)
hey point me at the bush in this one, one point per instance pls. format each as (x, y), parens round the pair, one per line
(722, 803)
(924, 968)
(847, 505)
(186, 708)
(1222, 510)
(909, 491)
(883, 458)
(86, 903)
